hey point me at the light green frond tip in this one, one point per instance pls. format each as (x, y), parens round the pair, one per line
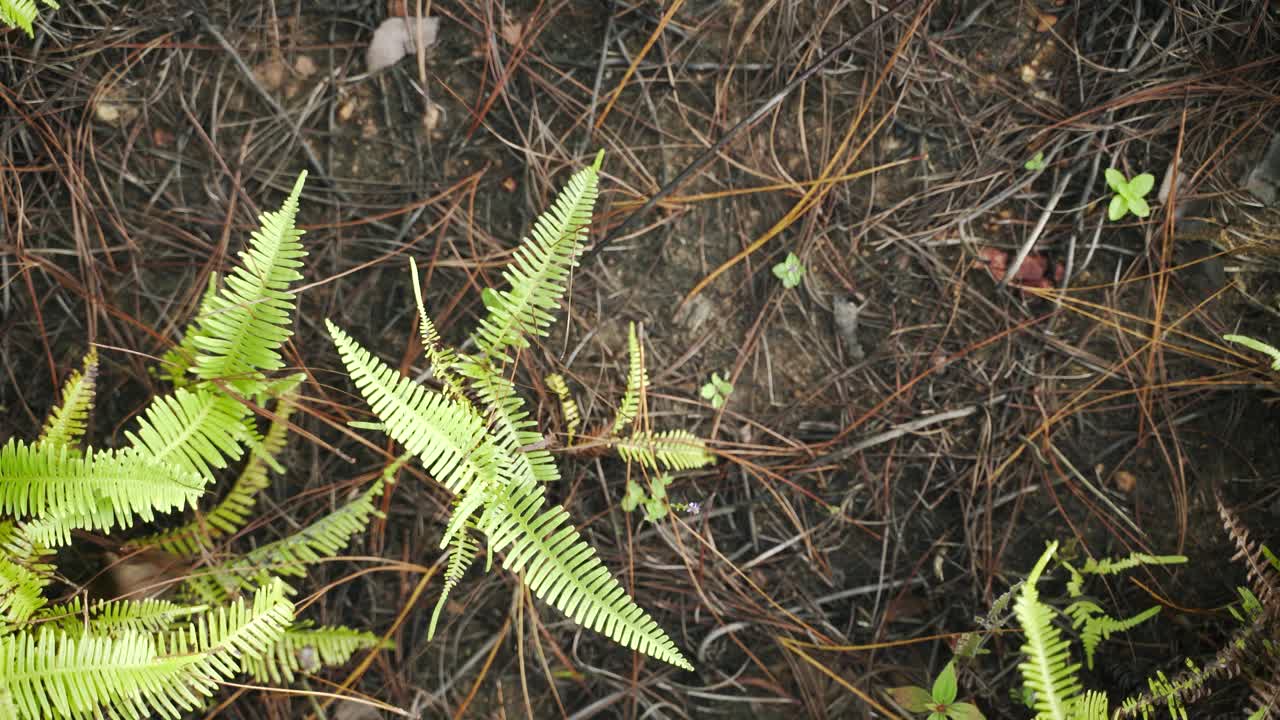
(66, 423)
(561, 569)
(22, 14)
(248, 321)
(637, 382)
(538, 271)
(1047, 670)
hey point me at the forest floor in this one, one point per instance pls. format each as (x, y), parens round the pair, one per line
(908, 426)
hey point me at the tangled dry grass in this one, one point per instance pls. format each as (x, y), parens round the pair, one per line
(883, 477)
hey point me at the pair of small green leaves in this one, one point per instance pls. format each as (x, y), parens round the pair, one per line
(716, 391)
(655, 503)
(790, 271)
(940, 703)
(1129, 194)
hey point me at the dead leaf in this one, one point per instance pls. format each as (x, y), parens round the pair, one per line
(512, 31)
(271, 73)
(1125, 481)
(305, 66)
(397, 37)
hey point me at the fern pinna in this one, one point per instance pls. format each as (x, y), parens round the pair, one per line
(145, 657)
(475, 436)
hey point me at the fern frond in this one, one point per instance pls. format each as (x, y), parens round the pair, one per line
(61, 491)
(53, 674)
(559, 567)
(510, 426)
(637, 382)
(233, 511)
(1110, 566)
(462, 552)
(441, 358)
(1092, 705)
(1261, 573)
(303, 648)
(112, 617)
(447, 436)
(538, 270)
(324, 538)
(22, 14)
(1046, 671)
(568, 406)
(177, 360)
(1095, 625)
(23, 575)
(194, 429)
(65, 424)
(668, 450)
(247, 322)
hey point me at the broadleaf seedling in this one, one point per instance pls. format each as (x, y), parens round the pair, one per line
(1129, 194)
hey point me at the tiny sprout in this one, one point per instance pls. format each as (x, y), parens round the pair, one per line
(716, 391)
(1257, 345)
(789, 271)
(1036, 162)
(1129, 194)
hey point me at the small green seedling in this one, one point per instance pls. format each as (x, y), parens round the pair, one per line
(717, 390)
(1129, 194)
(1036, 162)
(1256, 345)
(940, 703)
(655, 503)
(789, 271)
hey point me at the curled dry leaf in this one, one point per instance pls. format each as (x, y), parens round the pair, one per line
(397, 37)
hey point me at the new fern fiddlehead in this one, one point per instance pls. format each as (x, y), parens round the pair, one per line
(476, 437)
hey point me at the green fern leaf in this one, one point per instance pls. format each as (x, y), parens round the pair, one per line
(52, 674)
(303, 648)
(462, 552)
(538, 270)
(22, 14)
(668, 450)
(1095, 625)
(1046, 671)
(112, 617)
(441, 358)
(510, 426)
(66, 423)
(177, 360)
(447, 436)
(637, 382)
(564, 571)
(23, 575)
(248, 321)
(233, 511)
(324, 538)
(193, 429)
(568, 406)
(61, 491)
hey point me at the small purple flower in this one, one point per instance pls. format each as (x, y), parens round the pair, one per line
(693, 508)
